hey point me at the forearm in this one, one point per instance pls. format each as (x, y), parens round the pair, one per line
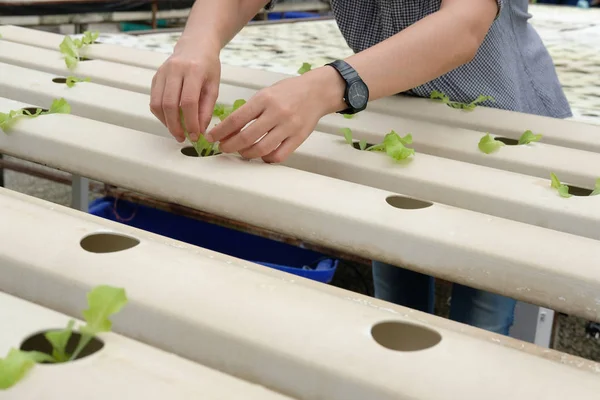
(420, 53)
(214, 23)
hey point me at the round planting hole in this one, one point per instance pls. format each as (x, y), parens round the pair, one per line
(579, 191)
(38, 342)
(191, 152)
(108, 243)
(59, 80)
(33, 110)
(507, 141)
(356, 145)
(407, 203)
(402, 336)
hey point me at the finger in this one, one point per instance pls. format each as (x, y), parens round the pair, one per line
(284, 150)
(171, 101)
(248, 136)
(156, 96)
(236, 121)
(208, 98)
(190, 96)
(266, 145)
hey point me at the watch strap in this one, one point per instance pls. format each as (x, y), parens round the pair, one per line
(349, 75)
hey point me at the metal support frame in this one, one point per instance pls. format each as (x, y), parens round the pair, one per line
(533, 324)
(80, 196)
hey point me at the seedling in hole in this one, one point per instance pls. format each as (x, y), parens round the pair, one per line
(70, 47)
(348, 136)
(103, 302)
(528, 137)
(72, 80)
(393, 145)
(202, 146)
(439, 96)
(488, 144)
(304, 68)
(563, 190)
(596, 190)
(59, 106)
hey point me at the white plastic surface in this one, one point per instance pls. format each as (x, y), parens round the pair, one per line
(123, 369)
(466, 247)
(577, 135)
(320, 345)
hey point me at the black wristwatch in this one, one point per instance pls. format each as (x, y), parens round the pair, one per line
(356, 94)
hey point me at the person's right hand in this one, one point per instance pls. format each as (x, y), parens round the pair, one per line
(188, 78)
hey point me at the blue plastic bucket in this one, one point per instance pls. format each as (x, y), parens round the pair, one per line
(291, 15)
(270, 253)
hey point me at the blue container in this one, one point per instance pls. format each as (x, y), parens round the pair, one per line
(270, 253)
(291, 15)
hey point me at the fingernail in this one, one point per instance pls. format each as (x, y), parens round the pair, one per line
(194, 136)
(209, 137)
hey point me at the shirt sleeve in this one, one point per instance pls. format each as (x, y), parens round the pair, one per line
(499, 2)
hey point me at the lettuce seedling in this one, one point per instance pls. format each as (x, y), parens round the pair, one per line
(70, 47)
(304, 68)
(59, 340)
(103, 302)
(202, 146)
(563, 190)
(59, 106)
(488, 144)
(596, 190)
(347, 132)
(221, 111)
(439, 96)
(72, 80)
(362, 144)
(70, 52)
(87, 39)
(17, 363)
(528, 137)
(393, 145)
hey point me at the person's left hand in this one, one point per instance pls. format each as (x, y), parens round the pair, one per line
(281, 117)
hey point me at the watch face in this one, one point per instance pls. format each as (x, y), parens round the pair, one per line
(358, 94)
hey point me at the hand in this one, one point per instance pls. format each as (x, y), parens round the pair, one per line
(188, 78)
(278, 119)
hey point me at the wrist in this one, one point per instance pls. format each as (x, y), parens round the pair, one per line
(327, 88)
(198, 43)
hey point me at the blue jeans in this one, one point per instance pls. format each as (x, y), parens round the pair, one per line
(470, 306)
